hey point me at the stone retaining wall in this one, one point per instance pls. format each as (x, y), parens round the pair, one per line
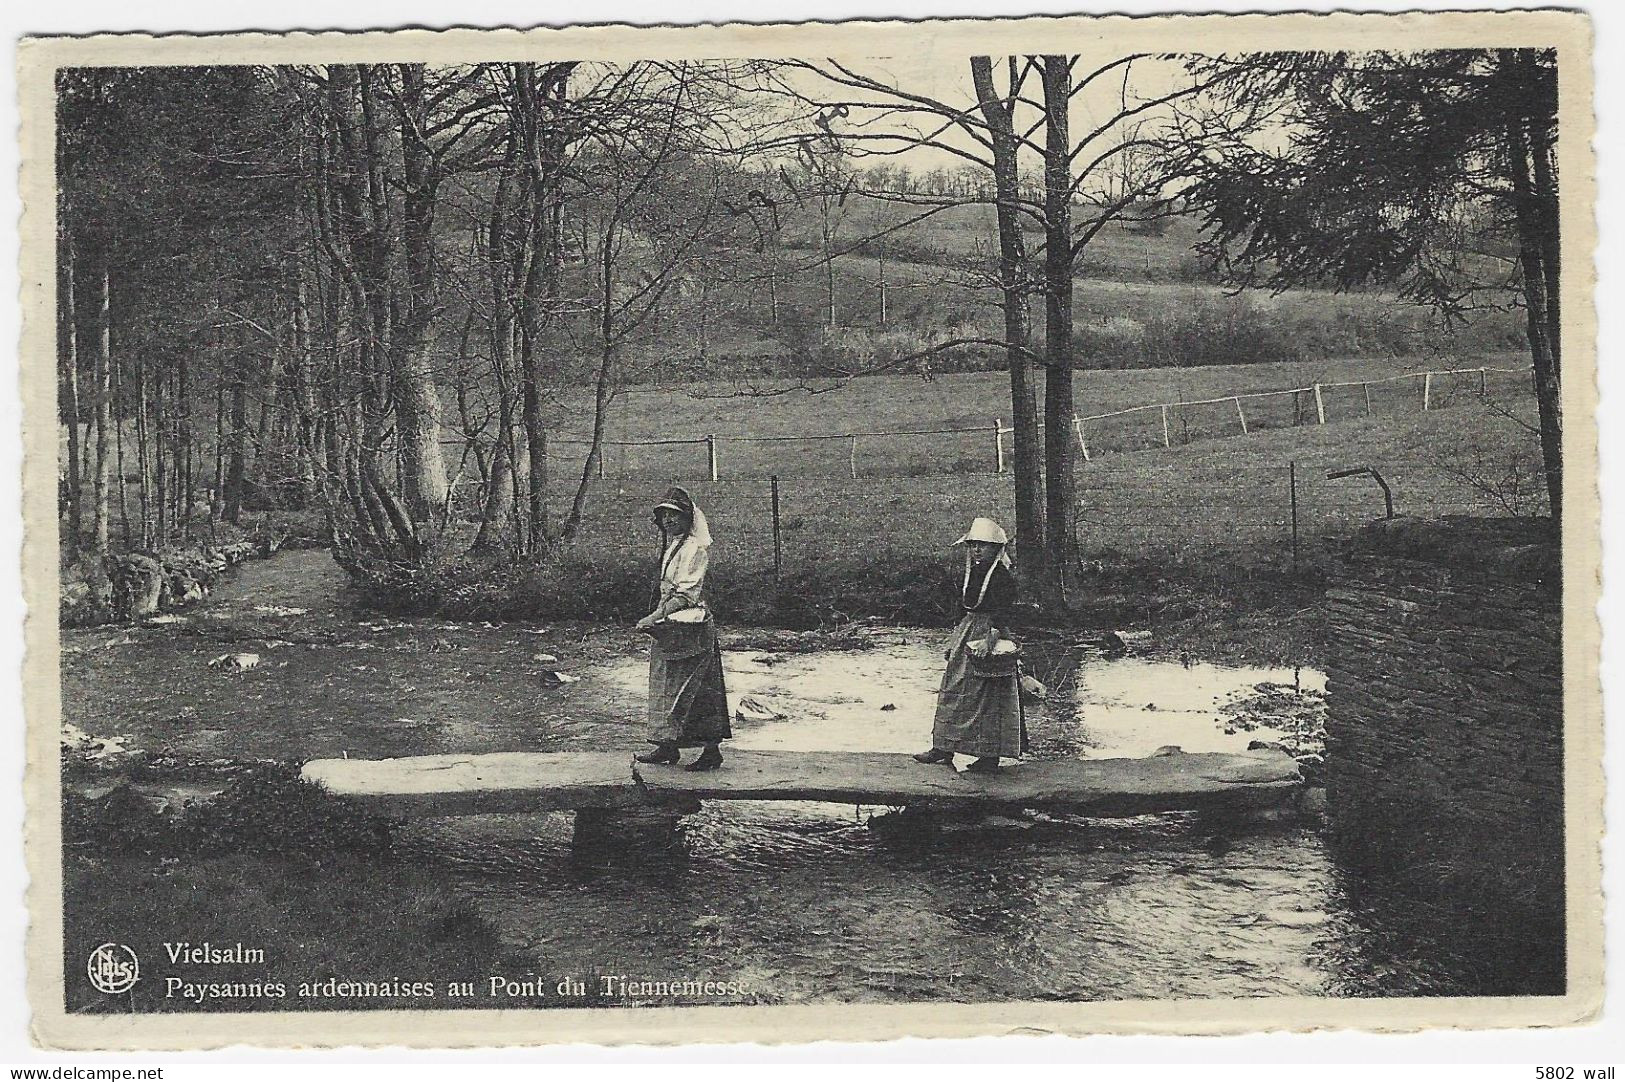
(131, 586)
(1444, 737)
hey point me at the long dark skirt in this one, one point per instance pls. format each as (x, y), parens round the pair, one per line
(688, 701)
(977, 715)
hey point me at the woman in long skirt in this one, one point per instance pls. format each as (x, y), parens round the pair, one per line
(688, 702)
(979, 706)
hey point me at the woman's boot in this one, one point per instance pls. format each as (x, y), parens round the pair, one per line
(709, 759)
(987, 764)
(663, 753)
(935, 755)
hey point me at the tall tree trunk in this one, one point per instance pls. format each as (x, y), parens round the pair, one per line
(1060, 491)
(542, 145)
(143, 444)
(535, 444)
(498, 493)
(161, 405)
(307, 428)
(104, 407)
(600, 418)
(117, 380)
(265, 428)
(1540, 100)
(217, 504)
(601, 390)
(1031, 553)
(183, 445)
(237, 453)
(358, 222)
(829, 264)
(1532, 247)
(69, 352)
(502, 253)
(417, 398)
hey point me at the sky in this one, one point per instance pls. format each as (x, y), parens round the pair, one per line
(952, 86)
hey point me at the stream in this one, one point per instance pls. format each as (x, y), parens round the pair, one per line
(804, 902)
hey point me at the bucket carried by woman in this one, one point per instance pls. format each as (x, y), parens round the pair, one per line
(979, 707)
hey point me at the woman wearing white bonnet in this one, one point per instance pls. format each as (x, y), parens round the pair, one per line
(688, 701)
(979, 706)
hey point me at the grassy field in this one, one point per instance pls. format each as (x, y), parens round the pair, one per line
(1198, 536)
(1229, 497)
(961, 410)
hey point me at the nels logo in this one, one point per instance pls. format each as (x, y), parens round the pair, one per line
(113, 968)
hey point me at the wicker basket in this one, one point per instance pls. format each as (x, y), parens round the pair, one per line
(996, 665)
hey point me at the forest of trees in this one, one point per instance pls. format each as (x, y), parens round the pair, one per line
(361, 289)
(352, 287)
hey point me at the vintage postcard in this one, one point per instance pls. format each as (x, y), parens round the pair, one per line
(777, 533)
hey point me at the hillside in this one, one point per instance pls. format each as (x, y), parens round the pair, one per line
(894, 288)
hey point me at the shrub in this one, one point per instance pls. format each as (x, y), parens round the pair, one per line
(121, 821)
(584, 581)
(272, 811)
(265, 810)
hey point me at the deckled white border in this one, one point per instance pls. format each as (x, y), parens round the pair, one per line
(793, 1023)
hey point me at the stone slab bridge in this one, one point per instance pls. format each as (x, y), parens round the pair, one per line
(602, 787)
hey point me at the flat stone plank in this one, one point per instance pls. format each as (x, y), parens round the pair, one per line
(1101, 787)
(556, 781)
(509, 781)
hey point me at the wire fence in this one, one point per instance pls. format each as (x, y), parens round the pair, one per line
(987, 447)
(1257, 515)
(805, 503)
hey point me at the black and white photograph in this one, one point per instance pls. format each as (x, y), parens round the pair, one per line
(623, 534)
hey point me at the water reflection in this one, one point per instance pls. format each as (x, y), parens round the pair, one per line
(883, 698)
(811, 899)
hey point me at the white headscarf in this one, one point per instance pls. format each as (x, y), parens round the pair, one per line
(984, 529)
(699, 530)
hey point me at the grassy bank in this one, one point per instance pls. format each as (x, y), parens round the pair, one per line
(367, 919)
(269, 863)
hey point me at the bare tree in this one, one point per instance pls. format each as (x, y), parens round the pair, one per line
(1154, 137)
(653, 201)
(1015, 286)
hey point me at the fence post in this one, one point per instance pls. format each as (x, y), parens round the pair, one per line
(1427, 391)
(1077, 430)
(778, 545)
(998, 445)
(1165, 441)
(711, 454)
(1483, 381)
(1241, 416)
(1292, 479)
(1320, 406)
(852, 455)
(1366, 387)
